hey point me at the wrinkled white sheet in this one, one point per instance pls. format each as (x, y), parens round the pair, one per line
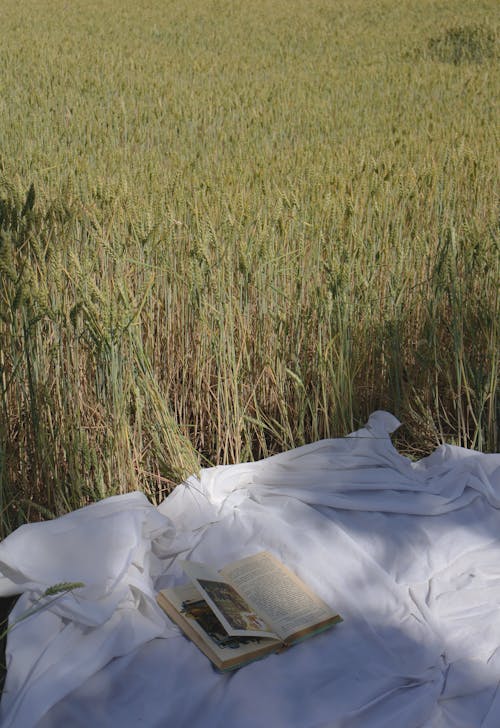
(408, 553)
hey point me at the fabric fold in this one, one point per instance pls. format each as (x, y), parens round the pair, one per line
(407, 552)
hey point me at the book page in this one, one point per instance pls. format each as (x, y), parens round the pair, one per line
(279, 596)
(185, 606)
(237, 617)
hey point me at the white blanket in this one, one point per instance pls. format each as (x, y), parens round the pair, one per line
(408, 553)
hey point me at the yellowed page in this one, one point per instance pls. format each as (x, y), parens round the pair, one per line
(279, 596)
(233, 612)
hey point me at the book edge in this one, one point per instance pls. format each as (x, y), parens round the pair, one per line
(317, 628)
(222, 665)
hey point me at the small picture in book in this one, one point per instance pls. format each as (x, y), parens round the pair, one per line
(232, 606)
(201, 613)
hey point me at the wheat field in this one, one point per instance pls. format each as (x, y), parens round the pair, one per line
(229, 228)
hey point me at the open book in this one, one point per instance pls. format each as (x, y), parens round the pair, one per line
(248, 609)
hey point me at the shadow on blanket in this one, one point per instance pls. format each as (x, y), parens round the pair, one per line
(407, 553)
(329, 682)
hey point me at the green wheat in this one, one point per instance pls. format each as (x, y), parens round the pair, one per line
(230, 228)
